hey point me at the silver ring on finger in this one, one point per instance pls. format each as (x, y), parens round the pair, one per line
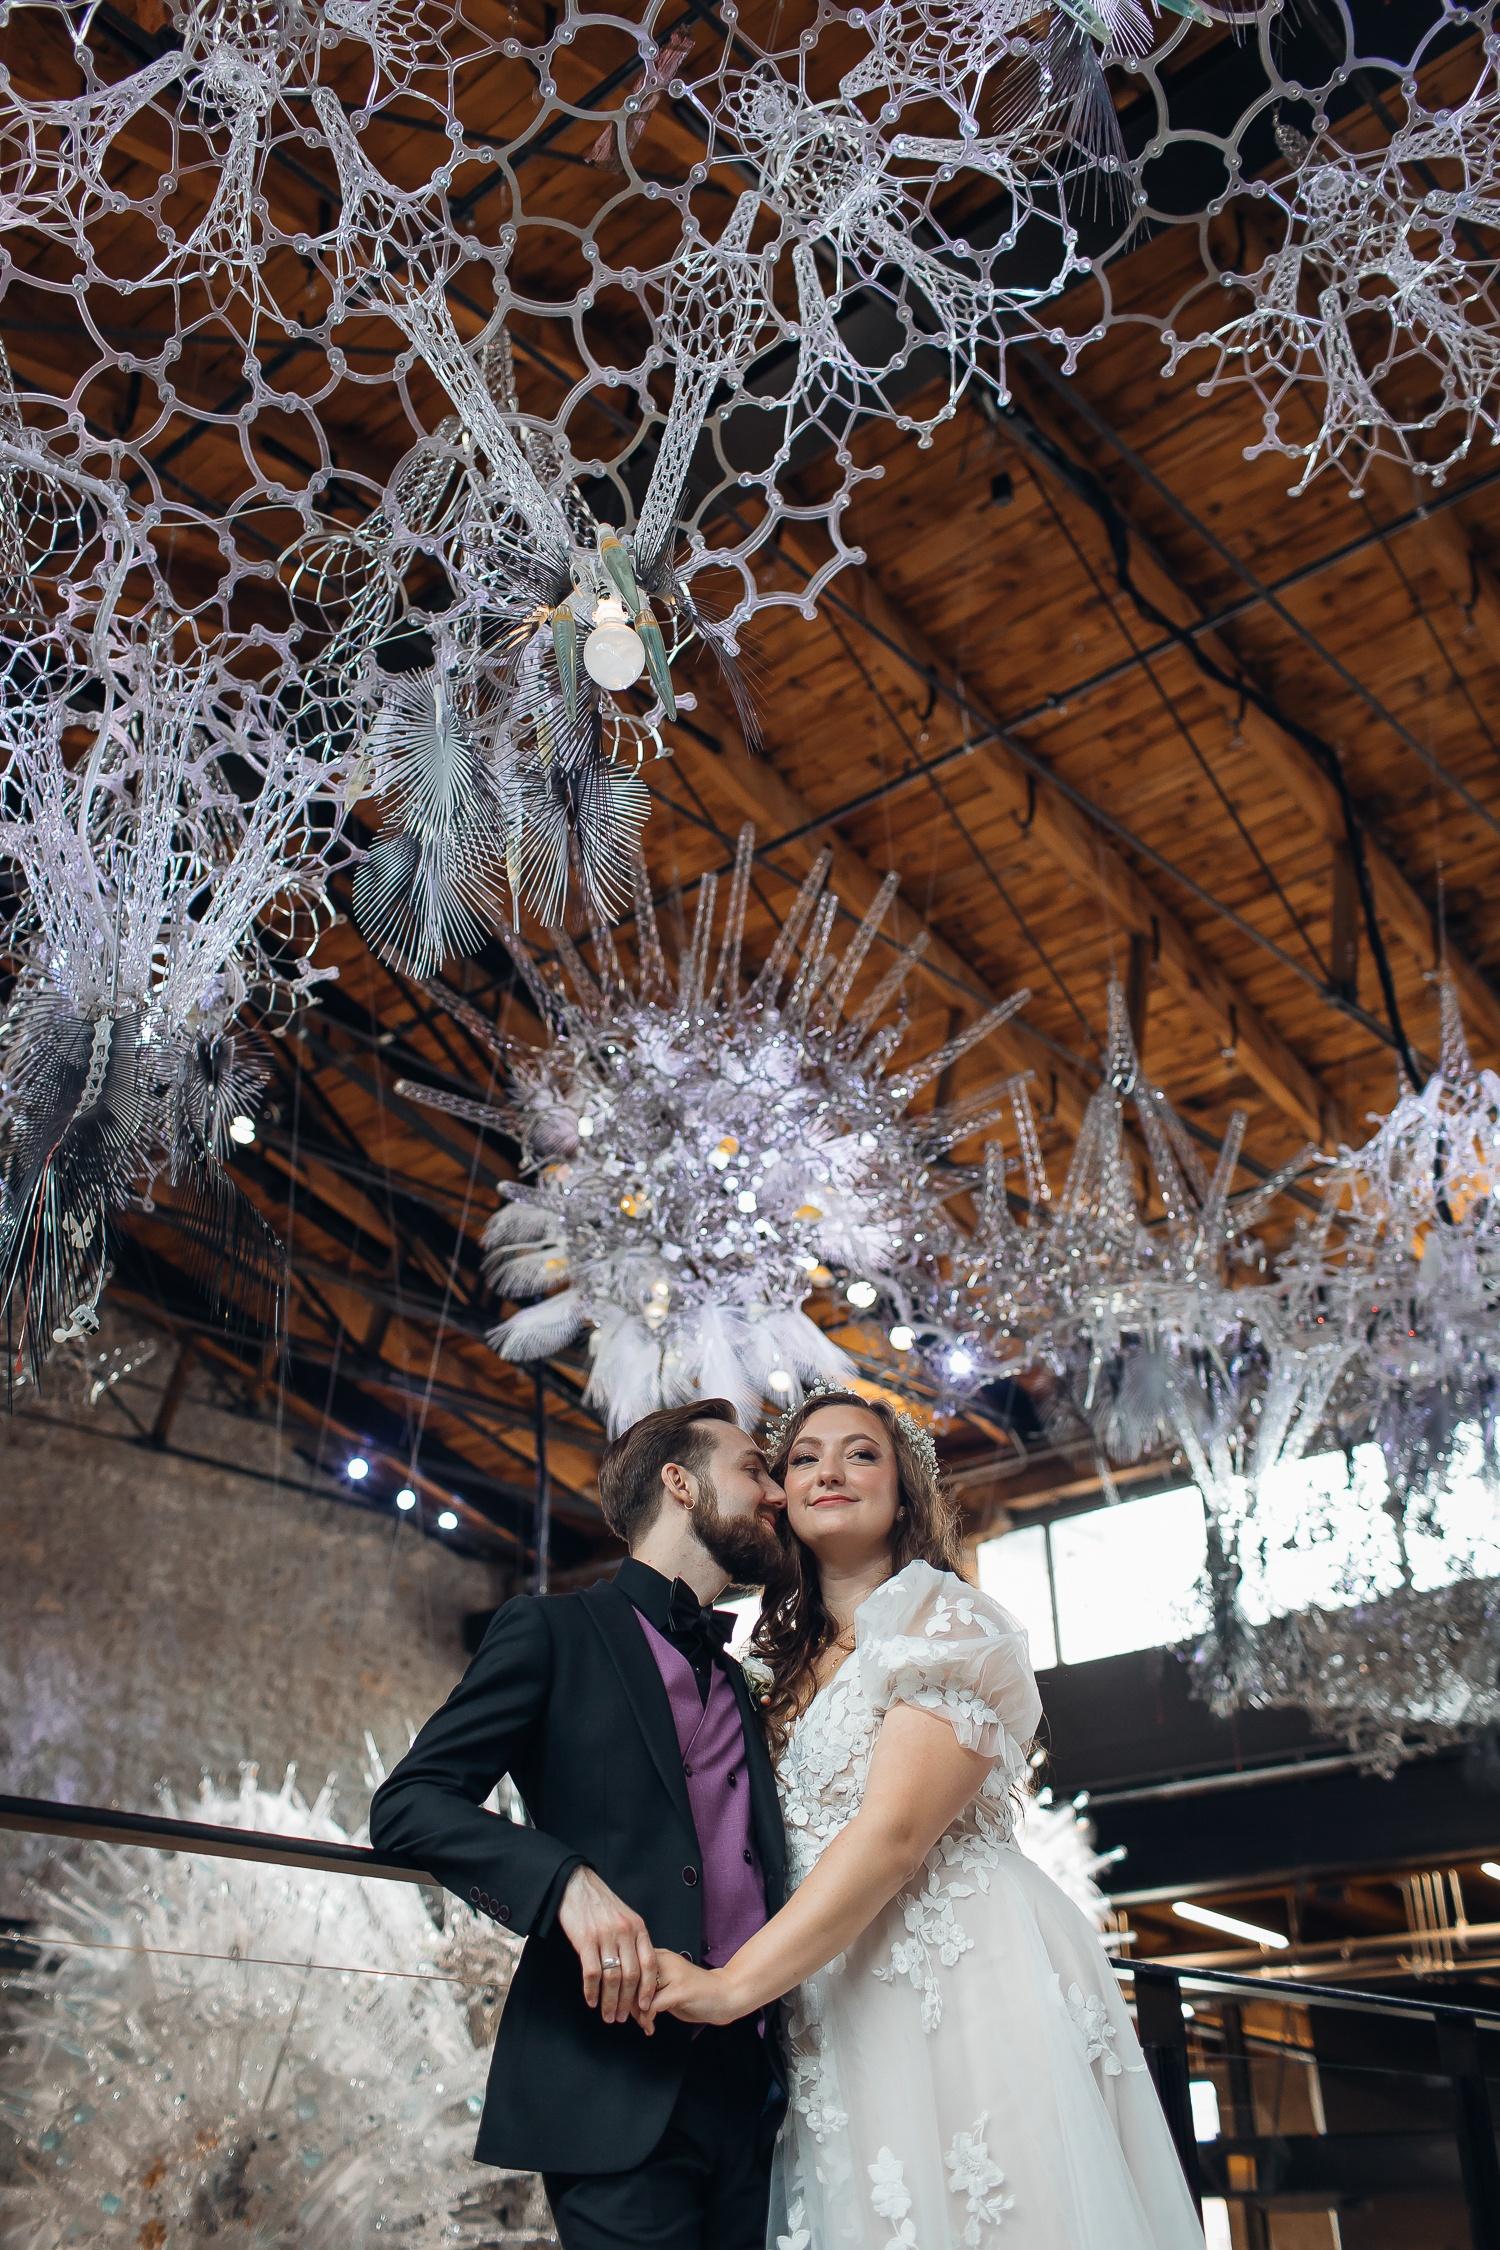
(609, 1960)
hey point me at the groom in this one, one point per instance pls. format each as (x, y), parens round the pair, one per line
(638, 1753)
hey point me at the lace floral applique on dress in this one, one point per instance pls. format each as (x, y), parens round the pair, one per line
(974, 2174)
(891, 2197)
(1092, 2022)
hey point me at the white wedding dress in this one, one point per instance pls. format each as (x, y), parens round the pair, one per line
(966, 2076)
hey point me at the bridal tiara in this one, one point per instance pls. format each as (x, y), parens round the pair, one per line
(917, 1436)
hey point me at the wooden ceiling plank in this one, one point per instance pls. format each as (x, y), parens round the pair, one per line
(1082, 851)
(1397, 899)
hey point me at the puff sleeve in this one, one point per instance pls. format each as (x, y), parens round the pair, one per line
(929, 1639)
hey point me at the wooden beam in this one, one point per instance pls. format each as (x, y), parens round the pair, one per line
(1475, 587)
(171, 1397)
(1084, 853)
(1400, 905)
(1343, 924)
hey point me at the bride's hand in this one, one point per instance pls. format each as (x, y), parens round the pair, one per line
(691, 1994)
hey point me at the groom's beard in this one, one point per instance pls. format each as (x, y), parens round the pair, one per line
(748, 1549)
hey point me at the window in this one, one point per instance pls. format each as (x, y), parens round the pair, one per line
(1013, 1569)
(1127, 1575)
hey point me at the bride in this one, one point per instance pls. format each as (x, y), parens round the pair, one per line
(963, 2071)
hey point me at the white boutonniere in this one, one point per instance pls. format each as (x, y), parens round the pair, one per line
(757, 1676)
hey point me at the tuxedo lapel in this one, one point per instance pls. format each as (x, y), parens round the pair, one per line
(614, 1617)
(765, 1804)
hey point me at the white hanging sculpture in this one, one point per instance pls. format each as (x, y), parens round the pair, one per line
(701, 1150)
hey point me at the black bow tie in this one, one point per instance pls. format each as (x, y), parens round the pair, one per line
(701, 1634)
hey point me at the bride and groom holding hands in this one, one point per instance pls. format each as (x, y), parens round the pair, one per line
(790, 1983)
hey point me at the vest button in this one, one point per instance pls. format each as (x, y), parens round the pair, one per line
(749, 1857)
(734, 1781)
(688, 1771)
(690, 1877)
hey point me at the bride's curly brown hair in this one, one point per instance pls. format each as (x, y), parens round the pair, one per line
(794, 1628)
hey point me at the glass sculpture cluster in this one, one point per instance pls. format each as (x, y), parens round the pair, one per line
(217, 2047)
(1142, 1304)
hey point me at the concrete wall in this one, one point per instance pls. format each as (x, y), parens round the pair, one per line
(160, 1619)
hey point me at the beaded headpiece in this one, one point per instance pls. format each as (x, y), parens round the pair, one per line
(916, 1434)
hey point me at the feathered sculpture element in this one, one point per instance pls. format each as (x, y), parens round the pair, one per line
(426, 889)
(700, 1150)
(550, 614)
(168, 875)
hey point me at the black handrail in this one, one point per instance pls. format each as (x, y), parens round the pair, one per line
(102, 1824)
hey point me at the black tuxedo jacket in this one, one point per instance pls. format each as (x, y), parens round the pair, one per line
(564, 1696)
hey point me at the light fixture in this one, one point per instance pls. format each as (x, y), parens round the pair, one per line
(746, 1199)
(1209, 1918)
(242, 1129)
(614, 654)
(862, 1293)
(1490, 1867)
(779, 1380)
(406, 1498)
(960, 1361)
(902, 1337)
(447, 1521)
(358, 1469)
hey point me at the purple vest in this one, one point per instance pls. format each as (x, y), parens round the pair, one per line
(712, 1740)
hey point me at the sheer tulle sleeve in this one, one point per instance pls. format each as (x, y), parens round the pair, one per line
(929, 1639)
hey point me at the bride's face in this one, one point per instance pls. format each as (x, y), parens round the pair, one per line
(842, 1489)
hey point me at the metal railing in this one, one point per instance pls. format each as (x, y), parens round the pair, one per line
(1252, 2167)
(1161, 1995)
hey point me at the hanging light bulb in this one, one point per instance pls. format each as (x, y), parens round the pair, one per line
(862, 1294)
(614, 654)
(960, 1361)
(902, 1337)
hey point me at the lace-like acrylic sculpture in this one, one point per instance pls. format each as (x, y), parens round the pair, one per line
(1374, 332)
(701, 1149)
(518, 345)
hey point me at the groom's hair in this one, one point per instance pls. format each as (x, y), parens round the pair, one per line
(630, 1486)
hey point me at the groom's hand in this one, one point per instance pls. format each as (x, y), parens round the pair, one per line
(613, 1945)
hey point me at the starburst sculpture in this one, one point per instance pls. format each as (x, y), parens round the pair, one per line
(1128, 1288)
(1374, 332)
(217, 2046)
(701, 1150)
